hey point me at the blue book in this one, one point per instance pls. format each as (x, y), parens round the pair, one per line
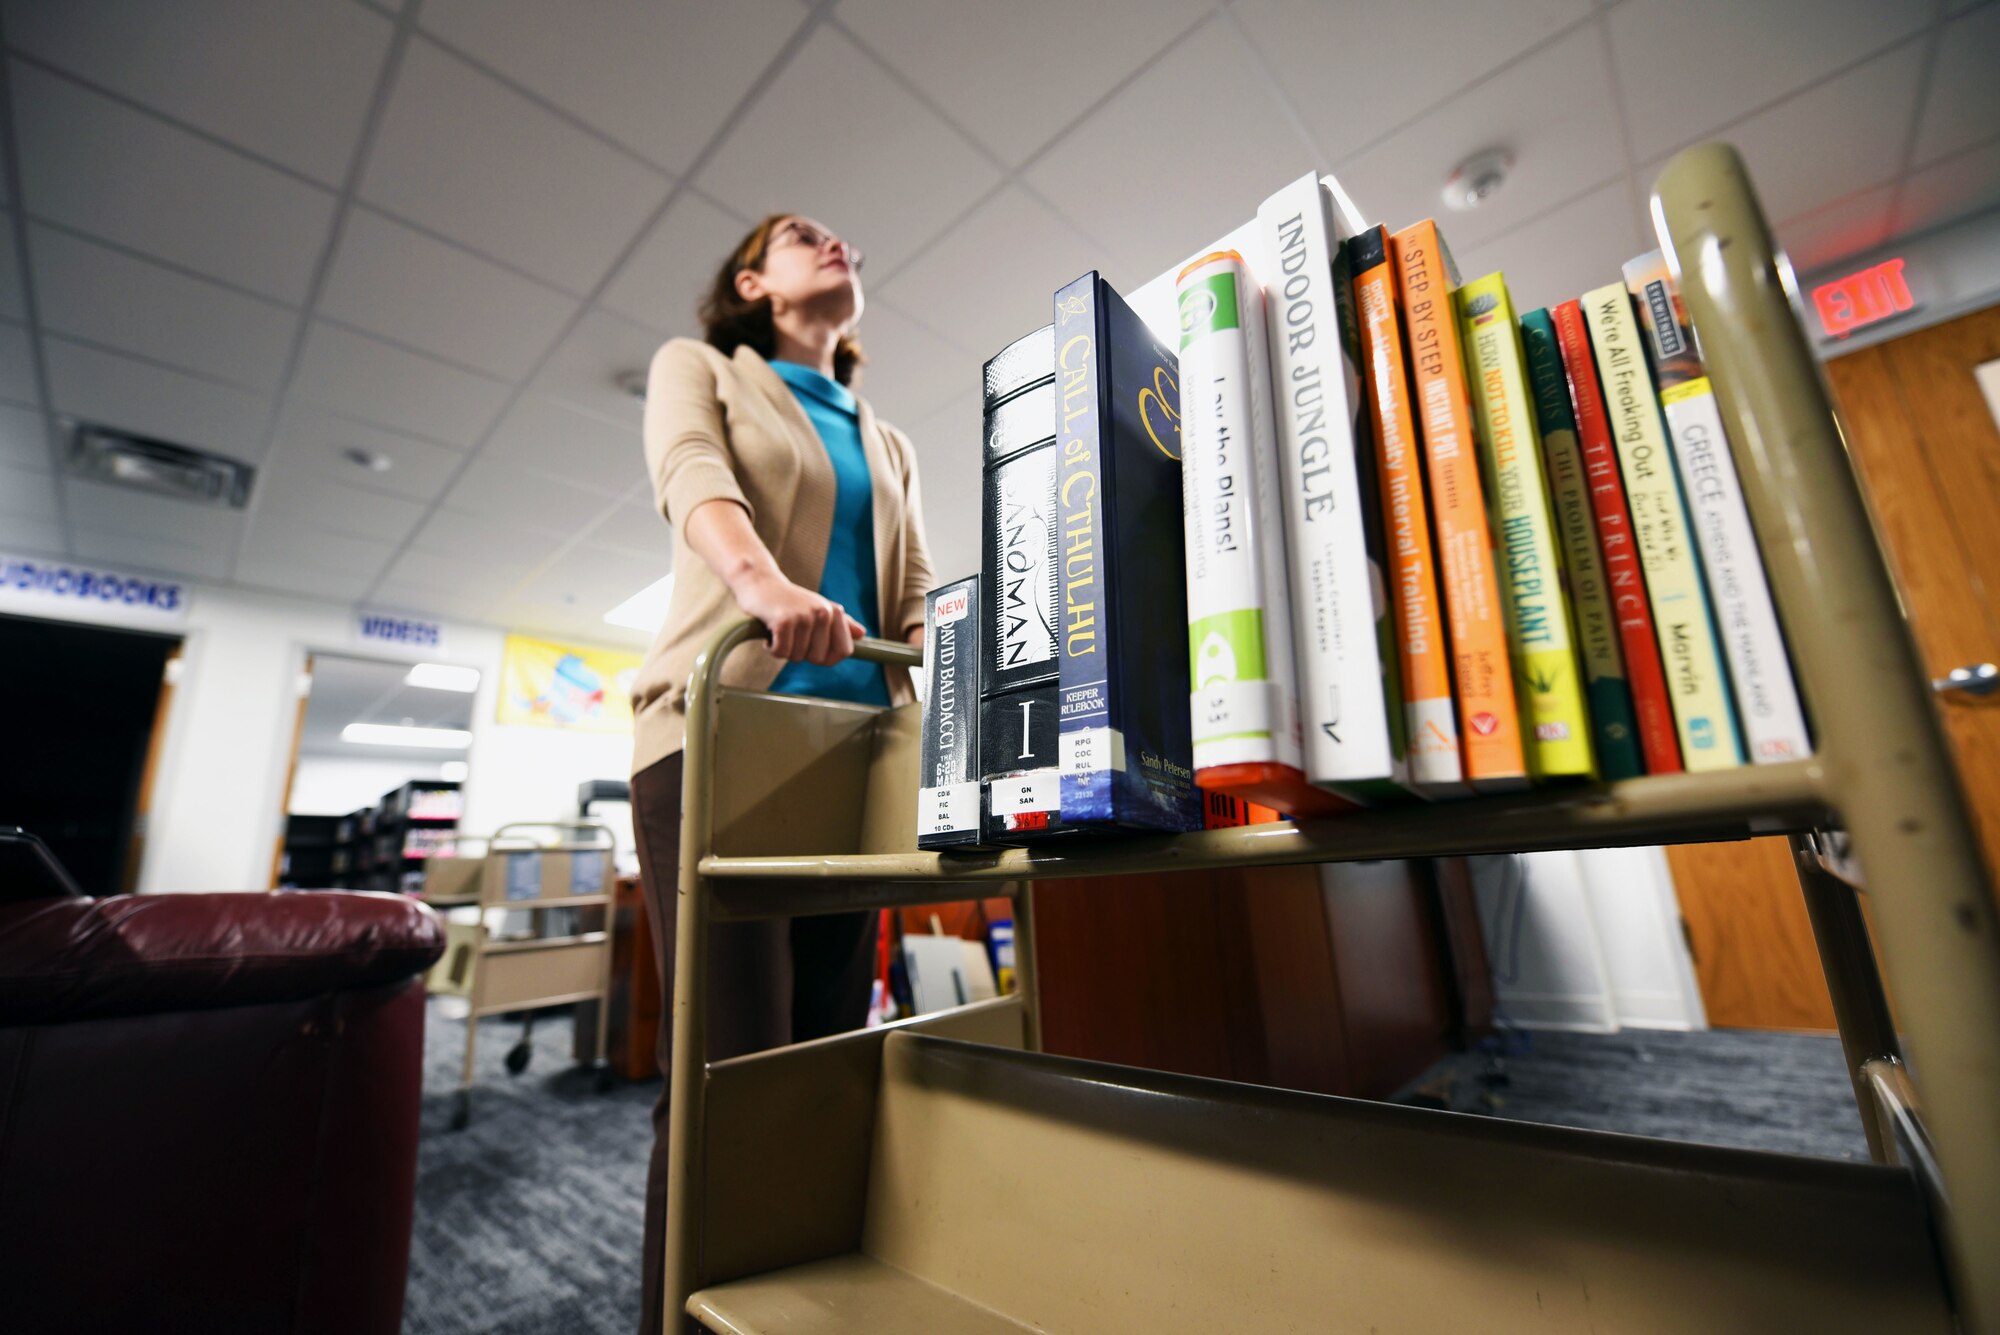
(1126, 745)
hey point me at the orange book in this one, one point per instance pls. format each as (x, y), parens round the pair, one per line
(1433, 749)
(1489, 721)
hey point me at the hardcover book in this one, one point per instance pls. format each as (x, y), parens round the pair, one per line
(1626, 582)
(1482, 678)
(1753, 645)
(1549, 688)
(1681, 616)
(1019, 663)
(1244, 707)
(1349, 707)
(1126, 751)
(1612, 725)
(948, 791)
(1431, 732)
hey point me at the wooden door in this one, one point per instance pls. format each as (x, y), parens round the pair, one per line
(142, 811)
(1927, 450)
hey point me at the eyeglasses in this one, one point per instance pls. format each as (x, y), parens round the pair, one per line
(796, 233)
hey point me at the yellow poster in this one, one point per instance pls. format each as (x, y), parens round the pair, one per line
(544, 685)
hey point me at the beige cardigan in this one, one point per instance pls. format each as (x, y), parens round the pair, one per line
(726, 427)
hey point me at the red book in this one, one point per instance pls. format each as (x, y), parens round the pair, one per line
(1614, 534)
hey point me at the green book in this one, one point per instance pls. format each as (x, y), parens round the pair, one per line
(1611, 718)
(1555, 726)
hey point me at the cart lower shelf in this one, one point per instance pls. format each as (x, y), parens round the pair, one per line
(989, 1190)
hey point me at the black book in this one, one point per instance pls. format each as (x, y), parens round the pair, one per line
(1019, 669)
(948, 796)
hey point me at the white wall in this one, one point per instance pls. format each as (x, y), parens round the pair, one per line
(1586, 941)
(330, 785)
(217, 812)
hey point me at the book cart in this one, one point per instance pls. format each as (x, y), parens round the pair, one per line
(941, 1175)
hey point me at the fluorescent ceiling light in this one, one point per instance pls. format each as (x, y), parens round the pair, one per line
(443, 677)
(646, 609)
(389, 734)
(454, 771)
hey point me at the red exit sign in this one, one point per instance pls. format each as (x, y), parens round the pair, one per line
(1863, 298)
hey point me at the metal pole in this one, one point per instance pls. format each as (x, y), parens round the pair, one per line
(1860, 1007)
(1888, 772)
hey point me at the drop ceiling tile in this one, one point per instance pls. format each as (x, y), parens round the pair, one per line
(468, 157)
(24, 439)
(578, 447)
(472, 537)
(1357, 72)
(657, 78)
(1845, 227)
(1962, 105)
(131, 305)
(17, 366)
(292, 497)
(313, 441)
(27, 494)
(392, 280)
(154, 401)
(110, 509)
(989, 280)
(209, 560)
(667, 276)
(418, 570)
(400, 390)
(1579, 246)
(592, 578)
(13, 303)
(1687, 67)
(510, 496)
(1837, 137)
(881, 170)
(454, 604)
(972, 64)
(587, 368)
(290, 82)
(1562, 147)
(30, 537)
(302, 545)
(103, 168)
(911, 372)
(1113, 175)
(948, 454)
(636, 529)
(1949, 190)
(326, 582)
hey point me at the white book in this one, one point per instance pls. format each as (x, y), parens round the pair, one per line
(1767, 698)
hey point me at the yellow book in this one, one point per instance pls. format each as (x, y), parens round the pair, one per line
(1555, 726)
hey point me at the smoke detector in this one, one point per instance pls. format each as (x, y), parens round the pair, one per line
(1477, 179)
(160, 467)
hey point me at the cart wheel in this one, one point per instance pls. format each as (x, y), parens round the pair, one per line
(518, 1056)
(606, 1080)
(461, 1113)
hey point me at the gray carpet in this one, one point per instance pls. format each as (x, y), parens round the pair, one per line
(530, 1219)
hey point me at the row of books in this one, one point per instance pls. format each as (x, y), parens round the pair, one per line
(1415, 546)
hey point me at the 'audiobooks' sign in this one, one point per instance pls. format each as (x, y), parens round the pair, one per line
(42, 586)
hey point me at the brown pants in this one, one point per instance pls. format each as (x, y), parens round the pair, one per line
(771, 982)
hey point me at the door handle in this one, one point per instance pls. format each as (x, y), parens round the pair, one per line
(1976, 679)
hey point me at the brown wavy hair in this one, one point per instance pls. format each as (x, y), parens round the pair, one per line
(729, 322)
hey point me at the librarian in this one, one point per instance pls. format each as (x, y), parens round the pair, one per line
(793, 504)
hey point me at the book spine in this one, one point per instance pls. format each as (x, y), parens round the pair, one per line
(1244, 704)
(1767, 698)
(1432, 720)
(1091, 748)
(1612, 724)
(1625, 581)
(1343, 706)
(1548, 686)
(948, 798)
(1681, 615)
(1489, 721)
(1018, 668)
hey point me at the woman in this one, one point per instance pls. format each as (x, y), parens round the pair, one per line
(792, 504)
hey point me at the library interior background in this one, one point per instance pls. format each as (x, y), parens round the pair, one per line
(878, 666)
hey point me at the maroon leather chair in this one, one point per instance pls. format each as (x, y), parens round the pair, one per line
(208, 1110)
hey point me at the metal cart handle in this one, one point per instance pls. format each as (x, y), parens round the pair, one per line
(609, 842)
(706, 678)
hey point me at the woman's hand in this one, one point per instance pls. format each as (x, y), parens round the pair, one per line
(803, 624)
